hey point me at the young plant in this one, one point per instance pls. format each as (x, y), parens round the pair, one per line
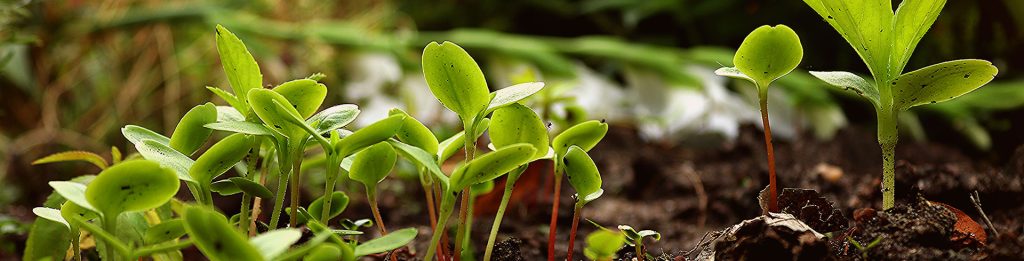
(885, 40)
(603, 244)
(636, 239)
(767, 54)
(370, 167)
(585, 135)
(585, 178)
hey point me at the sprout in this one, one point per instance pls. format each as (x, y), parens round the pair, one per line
(585, 135)
(636, 239)
(767, 54)
(370, 167)
(885, 43)
(585, 178)
(603, 244)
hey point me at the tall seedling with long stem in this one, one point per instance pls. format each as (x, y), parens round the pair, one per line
(885, 39)
(371, 166)
(585, 178)
(767, 54)
(585, 135)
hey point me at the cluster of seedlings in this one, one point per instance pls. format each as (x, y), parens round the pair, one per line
(130, 211)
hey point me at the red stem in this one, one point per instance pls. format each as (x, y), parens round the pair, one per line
(577, 212)
(554, 218)
(773, 205)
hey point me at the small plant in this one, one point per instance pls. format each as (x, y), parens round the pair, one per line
(885, 40)
(767, 54)
(370, 167)
(603, 244)
(585, 178)
(864, 248)
(585, 136)
(636, 239)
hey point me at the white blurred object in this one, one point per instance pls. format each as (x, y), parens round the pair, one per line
(598, 96)
(377, 84)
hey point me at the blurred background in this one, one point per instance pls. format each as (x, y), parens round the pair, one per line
(72, 73)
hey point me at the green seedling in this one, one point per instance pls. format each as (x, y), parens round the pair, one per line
(134, 185)
(218, 159)
(340, 200)
(864, 249)
(636, 239)
(457, 82)
(585, 178)
(767, 54)
(885, 40)
(585, 135)
(514, 124)
(190, 134)
(370, 167)
(603, 244)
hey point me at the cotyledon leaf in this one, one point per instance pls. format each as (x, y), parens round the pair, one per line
(941, 82)
(167, 157)
(413, 132)
(190, 134)
(583, 174)
(228, 113)
(215, 237)
(251, 187)
(136, 134)
(421, 158)
(386, 243)
(51, 214)
(166, 230)
(339, 202)
(273, 243)
(586, 135)
(491, 165)
(133, 185)
(333, 118)
(220, 157)
(455, 79)
(373, 164)
(225, 187)
(72, 191)
(241, 127)
(239, 65)
(603, 244)
(767, 53)
(851, 82)
(371, 134)
(516, 123)
(262, 101)
(304, 95)
(513, 94)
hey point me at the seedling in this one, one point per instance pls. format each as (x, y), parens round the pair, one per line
(585, 135)
(603, 244)
(885, 40)
(636, 239)
(370, 167)
(585, 178)
(767, 54)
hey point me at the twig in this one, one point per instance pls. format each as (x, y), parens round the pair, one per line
(976, 199)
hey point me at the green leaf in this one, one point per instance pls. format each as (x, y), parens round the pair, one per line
(586, 135)
(190, 134)
(75, 155)
(235, 102)
(47, 240)
(941, 82)
(228, 113)
(244, 127)
(913, 18)
(242, 71)
(136, 135)
(133, 185)
(220, 157)
(413, 132)
(225, 187)
(70, 209)
(338, 204)
(215, 237)
(421, 158)
(733, 72)
(583, 174)
(51, 214)
(333, 118)
(370, 135)
(768, 53)
(453, 144)
(252, 188)
(386, 243)
(165, 231)
(866, 25)
(72, 191)
(325, 253)
(455, 79)
(603, 244)
(304, 95)
(635, 236)
(491, 165)
(262, 101)
(373, 164)
(851, 82)
(513, 94)
(481, 188)
(517, 123)
(167, 157)
(272, 243)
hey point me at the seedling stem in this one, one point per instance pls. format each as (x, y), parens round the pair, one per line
(510, 183)
(773, 205)
(576, 213)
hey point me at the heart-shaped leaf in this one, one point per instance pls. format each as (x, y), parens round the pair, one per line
(215, 237)
(166, 230)
(339, 202)
(51, 214)
(73, 192)
(851, 82)
(75, 155)
(372, 134)
(373, 164)
(190, 134)
(516, 123)
(768, 53)
(413, 132)
(304, 95)
(272, 243)
(133, 185)
(586, 135)
(251, 187)
(583, 174)
(136, 134)
(167, 157)
(244, 127)
(220, 157)
(941, 82)
(386, 243)
(333, 118)
(242, 71)
(455, 79)
(865, 24)
(513, 94)
(491, 165)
